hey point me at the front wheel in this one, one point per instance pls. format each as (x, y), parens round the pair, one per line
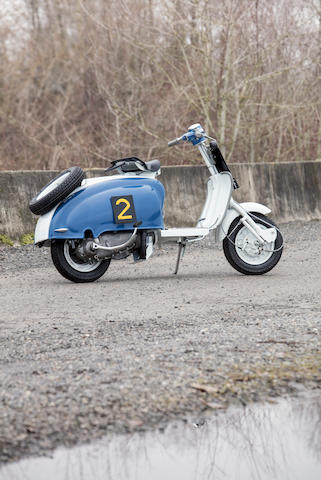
(243, 251)
(69, 261)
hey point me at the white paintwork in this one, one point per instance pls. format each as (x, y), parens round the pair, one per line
(219, 191)
(268, 234)
(150, 247)
(232, 213)
(43, 226)
(220, 209)
(108, 178)
(251, 207)
(93, 181)
(207, 160)
(249, 250)
(177, 234)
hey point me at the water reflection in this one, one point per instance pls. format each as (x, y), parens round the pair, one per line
(260, 442)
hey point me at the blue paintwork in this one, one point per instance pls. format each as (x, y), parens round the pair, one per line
(191, 137)
(90, 208)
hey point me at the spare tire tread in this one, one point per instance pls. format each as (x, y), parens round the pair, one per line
(46, 203)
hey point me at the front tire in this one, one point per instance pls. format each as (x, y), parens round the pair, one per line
(242, 251)
(72, 266)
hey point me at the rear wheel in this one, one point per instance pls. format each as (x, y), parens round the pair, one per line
(72, 265)
(243, 251)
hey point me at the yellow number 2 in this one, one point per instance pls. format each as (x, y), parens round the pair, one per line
(121, 216)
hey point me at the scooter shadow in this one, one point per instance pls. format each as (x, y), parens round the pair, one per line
(152, 278)
(184, 277)
(181, 277)
(168, 277)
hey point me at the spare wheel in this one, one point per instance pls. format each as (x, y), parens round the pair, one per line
(56, 190)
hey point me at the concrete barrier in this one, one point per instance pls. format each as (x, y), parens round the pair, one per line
(291, 190)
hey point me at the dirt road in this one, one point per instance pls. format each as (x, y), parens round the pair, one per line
(141, 346)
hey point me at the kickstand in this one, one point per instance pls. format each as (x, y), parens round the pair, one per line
(181, 251)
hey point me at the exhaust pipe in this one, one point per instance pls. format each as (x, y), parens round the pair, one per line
(95, 246)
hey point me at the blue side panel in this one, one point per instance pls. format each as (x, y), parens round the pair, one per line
(90, 208)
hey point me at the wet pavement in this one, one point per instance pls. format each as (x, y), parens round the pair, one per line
(141, 347)
(280, 440)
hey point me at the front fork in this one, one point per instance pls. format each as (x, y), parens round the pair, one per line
(263, 235)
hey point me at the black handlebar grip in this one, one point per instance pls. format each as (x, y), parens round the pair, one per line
(173, 142)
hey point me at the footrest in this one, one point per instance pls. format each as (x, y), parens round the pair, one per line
(177, 233)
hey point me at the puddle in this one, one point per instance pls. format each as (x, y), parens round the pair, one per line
(259, 442)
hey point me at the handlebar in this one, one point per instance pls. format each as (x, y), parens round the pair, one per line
(195, 135)
(176, 141)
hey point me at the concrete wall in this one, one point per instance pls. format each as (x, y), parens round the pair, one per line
(291, 190)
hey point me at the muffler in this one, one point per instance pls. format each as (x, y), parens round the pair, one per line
(94, 248)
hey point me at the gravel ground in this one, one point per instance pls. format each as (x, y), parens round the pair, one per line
(141, 347)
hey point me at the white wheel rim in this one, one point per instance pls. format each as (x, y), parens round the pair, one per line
(53, 185)
(79, 266)
(249, 250)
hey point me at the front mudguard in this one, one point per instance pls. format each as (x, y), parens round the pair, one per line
(231, 214)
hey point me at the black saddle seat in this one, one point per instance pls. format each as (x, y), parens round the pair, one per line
(134, 164)
(153, 165)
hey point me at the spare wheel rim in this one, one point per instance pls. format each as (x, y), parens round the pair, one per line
(52, 186)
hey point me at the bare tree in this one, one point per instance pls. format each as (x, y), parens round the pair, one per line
(84, 82)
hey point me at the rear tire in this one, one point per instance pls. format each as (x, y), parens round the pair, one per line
(56, 190)
(251, 261)
(64, 258)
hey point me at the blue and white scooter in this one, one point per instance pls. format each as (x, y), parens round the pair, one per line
(89, 222)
